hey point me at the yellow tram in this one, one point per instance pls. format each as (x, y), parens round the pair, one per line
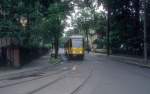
(74, 46)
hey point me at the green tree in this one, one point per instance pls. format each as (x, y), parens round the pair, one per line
(53, 23)
(125, 23)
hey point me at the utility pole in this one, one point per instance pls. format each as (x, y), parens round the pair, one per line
(145, 34)
(108, 30)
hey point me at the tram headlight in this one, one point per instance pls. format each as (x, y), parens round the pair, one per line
(80, 52)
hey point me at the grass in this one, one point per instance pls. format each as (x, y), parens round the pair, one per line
(53, 60)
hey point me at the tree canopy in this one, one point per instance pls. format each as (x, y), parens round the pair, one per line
(126, 22)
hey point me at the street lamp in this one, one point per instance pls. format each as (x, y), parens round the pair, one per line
(23, 21)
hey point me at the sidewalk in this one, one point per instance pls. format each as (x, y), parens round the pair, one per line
(31, 68)
(128, 60)
(34, 66)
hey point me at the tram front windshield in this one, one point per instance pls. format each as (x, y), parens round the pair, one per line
(77, 43)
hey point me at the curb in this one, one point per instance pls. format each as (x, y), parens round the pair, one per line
(132, 61)
(139, 65)
(128, 60)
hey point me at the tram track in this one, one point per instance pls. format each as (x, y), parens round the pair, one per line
(46, 85)
(76, 90)
(38, 75)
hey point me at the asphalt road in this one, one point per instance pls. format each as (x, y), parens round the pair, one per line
(94, 75)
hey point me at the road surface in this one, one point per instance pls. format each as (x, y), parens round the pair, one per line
(94, 75)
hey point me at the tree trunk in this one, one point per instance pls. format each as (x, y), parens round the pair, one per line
(87, 37)
(56, 46)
